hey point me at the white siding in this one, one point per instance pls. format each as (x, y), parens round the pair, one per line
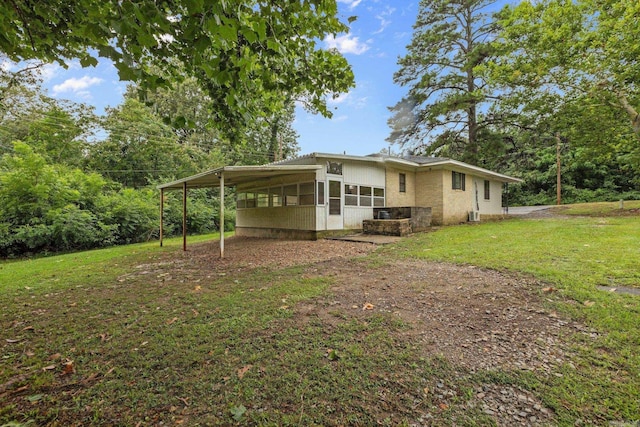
(321, 217)
(289, 217)
(364, 174)
(353, 216)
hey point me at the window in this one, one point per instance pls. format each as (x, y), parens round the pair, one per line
(487, 190)
(291, 195)
(335, 197)
(251, 200)
(378, 197)
(365, 196)
(241, 200)
(350, 195)
(262, 198)
(320, 193)
(457, 181)
(306, 193)
(334, 168)
(275, 194)
(403, 183)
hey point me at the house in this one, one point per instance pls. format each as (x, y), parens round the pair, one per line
(318, 194)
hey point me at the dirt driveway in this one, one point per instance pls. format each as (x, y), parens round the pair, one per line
(477, 319)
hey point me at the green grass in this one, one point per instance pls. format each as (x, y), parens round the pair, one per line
(600, 208)
(183, 345)
(46, 273)
(210, 350)
(574, 256)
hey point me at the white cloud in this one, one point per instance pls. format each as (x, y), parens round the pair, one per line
(340, 99)
(351, 4)
(6, 65)
(382, 17)
(346, 44)
(77, 86)
(49, 71)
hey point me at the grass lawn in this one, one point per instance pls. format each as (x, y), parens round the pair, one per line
(83, 343)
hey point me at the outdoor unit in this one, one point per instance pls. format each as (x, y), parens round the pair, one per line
(474, 216)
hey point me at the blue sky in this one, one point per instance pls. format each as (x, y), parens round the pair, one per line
(359, 124)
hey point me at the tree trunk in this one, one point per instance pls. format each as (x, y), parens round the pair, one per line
(633, 114)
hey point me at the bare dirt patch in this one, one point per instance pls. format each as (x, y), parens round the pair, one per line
(478, 320)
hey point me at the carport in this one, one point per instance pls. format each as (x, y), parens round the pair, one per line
(227, 176)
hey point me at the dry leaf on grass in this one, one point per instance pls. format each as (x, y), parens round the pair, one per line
(243, 371)
(68, 368)
(367, 306)
(589, 303)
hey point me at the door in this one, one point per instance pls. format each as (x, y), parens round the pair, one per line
(335, 206)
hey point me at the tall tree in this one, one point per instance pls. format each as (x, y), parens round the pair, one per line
(264, 137)
(442, 108)
(140, 148)
(238, 50)
(580, 52)
(57, 130)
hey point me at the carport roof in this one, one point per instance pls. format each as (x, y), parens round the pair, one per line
(234, 175)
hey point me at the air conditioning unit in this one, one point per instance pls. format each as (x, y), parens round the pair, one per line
(474, 216)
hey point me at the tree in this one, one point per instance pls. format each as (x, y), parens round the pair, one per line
(442, 108)
(583, 54)
(243, 53)
(185, 107)
(140, 148)
(58, 130)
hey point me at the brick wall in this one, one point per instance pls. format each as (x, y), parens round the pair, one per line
(429, 193)
(394, 197)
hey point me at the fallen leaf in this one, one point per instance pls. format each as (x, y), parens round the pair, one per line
(589, 303)
(243, 371)
(169, 322)
(443, 406)
(367, 306)
(55, 356)
(195, 312)
(10, 341)
(69, 368)
(29, 328)
(49, 368)
(549, 289)
(197, 288)
(426, 390)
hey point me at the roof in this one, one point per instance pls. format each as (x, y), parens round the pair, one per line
(409, 162)
(235, 175)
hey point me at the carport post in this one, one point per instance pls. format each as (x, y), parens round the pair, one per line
(221, 215)
(184, 216)
(161, 213)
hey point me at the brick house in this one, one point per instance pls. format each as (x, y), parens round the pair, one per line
(318, 194)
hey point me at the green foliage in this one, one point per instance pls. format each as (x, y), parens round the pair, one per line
(243, 53)
(49, 207)
(441, 113)
(568, 65)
